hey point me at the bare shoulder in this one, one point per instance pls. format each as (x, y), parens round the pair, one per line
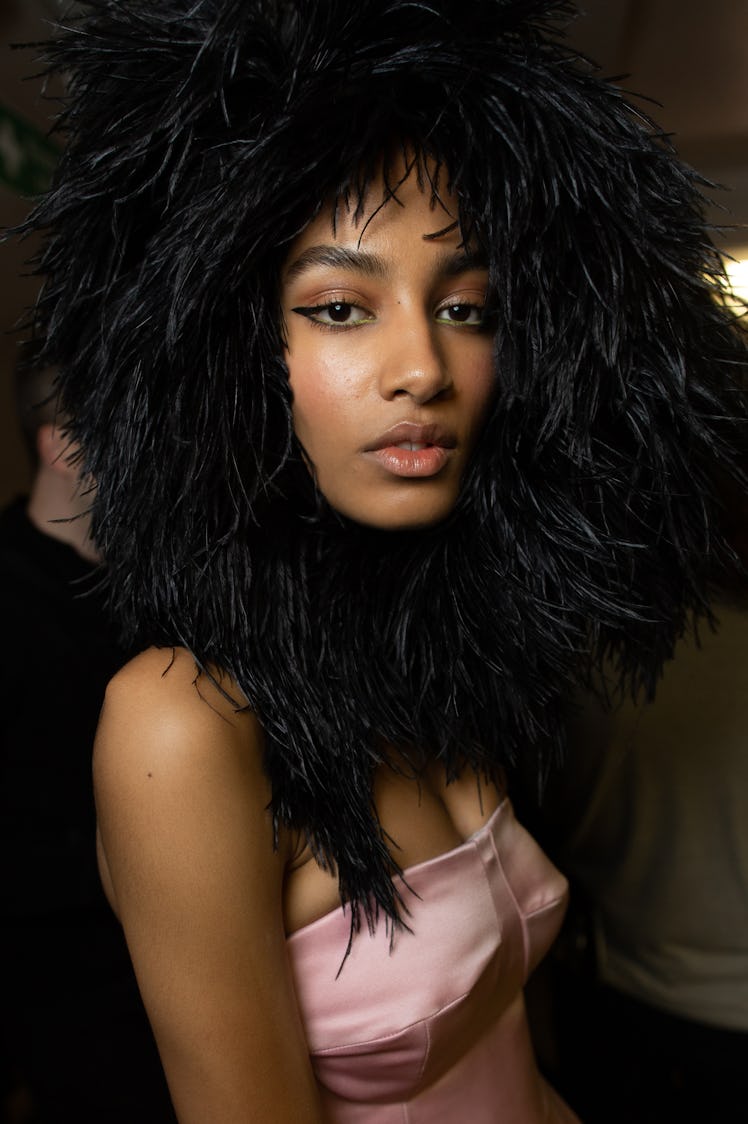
(165, 686)
(173, 747)
(162, 717)
(192, 868)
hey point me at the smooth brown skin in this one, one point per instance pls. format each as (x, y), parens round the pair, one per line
(187, 859)
(185, 839)
(187, 856)
(403, 354)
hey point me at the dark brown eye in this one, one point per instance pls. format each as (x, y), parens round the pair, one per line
(460, 312)
(339, 312)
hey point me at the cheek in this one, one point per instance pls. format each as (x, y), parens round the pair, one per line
(481, 385)
(326, 396)
(309, 401)
(309, 390)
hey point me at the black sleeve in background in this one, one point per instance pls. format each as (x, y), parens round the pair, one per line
(73, 1026)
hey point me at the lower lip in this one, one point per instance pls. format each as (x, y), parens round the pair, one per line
(412, 462)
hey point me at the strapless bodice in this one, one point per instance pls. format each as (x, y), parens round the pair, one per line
(431, 1028)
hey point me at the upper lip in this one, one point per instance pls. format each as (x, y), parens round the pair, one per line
(416, 434)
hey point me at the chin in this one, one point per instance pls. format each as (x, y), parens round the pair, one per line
(399, 517)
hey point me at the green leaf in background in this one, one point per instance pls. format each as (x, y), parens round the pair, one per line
(27, 157)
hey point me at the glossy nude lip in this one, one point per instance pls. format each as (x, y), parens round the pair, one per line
(433, 448)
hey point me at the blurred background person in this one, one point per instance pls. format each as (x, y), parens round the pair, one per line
(75, 1040)
(650, 822)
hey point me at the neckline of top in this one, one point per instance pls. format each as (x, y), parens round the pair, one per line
(409, 871)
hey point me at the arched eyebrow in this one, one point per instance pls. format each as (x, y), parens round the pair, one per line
(372, 265)
(463, 261)
(338, 257)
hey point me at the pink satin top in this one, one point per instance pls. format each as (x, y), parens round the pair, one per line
(433, 1031)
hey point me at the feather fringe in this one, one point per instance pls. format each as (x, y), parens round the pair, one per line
(202, 135)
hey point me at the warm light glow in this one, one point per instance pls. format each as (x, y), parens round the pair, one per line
(737, 275)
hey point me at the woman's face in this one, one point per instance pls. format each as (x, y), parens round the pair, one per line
(390, 365)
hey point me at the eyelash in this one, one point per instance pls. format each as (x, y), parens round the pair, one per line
(312, 312)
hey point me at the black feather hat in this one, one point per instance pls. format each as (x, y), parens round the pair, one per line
(202, 135)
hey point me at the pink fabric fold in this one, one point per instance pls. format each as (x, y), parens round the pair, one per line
(433, 1029)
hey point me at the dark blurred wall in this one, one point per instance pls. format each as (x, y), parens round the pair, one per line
(692, 58)
(21, 21)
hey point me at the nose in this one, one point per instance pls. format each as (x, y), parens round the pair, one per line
(415, 365)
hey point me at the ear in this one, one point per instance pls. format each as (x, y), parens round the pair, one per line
(55, 450)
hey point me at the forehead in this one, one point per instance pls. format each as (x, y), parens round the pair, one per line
(412, 200)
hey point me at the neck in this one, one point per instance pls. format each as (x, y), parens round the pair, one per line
(56, 508)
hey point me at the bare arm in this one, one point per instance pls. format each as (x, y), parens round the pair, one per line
(187, 842)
